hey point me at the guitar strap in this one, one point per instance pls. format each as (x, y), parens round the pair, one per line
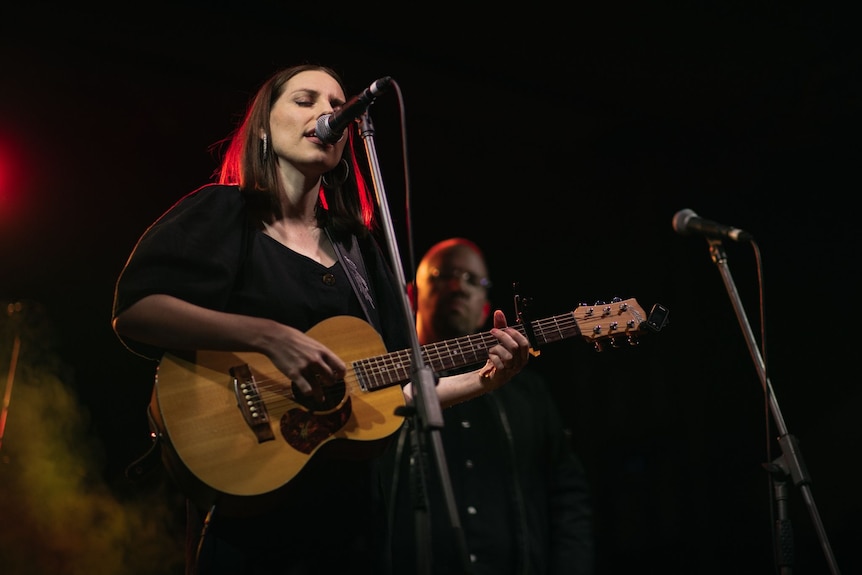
(350, 258)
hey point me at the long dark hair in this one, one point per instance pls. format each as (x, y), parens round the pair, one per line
(345, 204)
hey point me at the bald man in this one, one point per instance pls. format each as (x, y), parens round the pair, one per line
(521, 493)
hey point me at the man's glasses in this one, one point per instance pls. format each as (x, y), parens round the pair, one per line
(471, 279)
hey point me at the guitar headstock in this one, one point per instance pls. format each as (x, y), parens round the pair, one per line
(613, 324)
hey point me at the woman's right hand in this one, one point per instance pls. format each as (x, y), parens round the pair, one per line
(310, 365)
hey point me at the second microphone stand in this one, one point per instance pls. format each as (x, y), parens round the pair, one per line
(790, 463)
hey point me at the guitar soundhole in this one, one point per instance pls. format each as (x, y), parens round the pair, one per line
(333, 396)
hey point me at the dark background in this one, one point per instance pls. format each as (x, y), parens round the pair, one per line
(563, 141)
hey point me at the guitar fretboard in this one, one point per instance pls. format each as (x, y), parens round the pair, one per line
(385, 370)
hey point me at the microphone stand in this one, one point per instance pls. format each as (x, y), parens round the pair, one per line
(789, 463)
(425, 414)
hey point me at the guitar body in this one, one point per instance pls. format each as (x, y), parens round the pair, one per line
(214, 454)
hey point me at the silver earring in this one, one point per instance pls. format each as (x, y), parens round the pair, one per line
(264, 151)
(338, 179)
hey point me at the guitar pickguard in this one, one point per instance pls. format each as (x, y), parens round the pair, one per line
(305, 430)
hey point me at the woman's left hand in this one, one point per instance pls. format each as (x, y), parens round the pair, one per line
(506, 358)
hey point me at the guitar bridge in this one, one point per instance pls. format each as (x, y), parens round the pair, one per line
(250, 403)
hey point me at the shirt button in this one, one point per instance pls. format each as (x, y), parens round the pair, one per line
(468, 464)
(329, 279)
(473, 558)
(471, 510)
(465, 424)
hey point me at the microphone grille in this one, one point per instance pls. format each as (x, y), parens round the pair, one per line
(380, 85)
(322, 129)
(681, 219)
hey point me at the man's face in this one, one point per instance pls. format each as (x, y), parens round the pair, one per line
(452, 293)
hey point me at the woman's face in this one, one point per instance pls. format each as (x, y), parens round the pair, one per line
(293, 118)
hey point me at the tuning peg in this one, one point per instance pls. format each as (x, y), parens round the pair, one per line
(634, 340)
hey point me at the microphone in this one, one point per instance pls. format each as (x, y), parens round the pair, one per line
(686, 222)
(330, 127)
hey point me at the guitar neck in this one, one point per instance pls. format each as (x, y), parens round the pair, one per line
(596, 323)
(473, 349)
(396, 367)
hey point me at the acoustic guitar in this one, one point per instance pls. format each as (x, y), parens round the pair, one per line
(235, 431)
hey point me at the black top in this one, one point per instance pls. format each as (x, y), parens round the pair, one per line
(521, 492)
(207, 250)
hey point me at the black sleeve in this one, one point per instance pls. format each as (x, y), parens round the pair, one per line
(558, 498)
(570, 500)
(192, 252)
